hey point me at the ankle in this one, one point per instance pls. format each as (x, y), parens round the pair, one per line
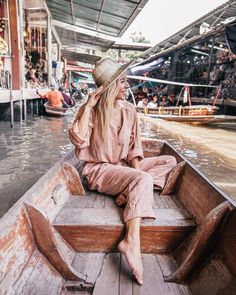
(131, 240)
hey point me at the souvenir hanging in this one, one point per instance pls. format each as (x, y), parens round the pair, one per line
(3, 46)
(2, 24)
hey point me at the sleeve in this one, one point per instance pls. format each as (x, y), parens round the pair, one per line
(135, 144)
(74, 136)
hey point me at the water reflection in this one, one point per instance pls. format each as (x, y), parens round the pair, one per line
(29, 150)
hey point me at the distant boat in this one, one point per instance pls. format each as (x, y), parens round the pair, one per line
(56, 112)
(195, 114)
(62, 239)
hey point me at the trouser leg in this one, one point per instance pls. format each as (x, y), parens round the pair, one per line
(135, 184)
(158, 167)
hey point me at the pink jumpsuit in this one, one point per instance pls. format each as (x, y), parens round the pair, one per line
(107, 167)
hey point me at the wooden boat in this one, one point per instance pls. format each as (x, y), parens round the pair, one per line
(60, 238)
(197, 114)
(56, 112)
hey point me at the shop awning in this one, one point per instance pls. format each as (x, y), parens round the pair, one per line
(80, 57)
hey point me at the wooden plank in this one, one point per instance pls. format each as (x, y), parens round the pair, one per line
(43, 280)
(204, 243)
(178, 202)
(126, 278)
(89, 264)
(79, 227)
(76, 201)
(110, 202)
(73, 180)
(15, 50)
(108, 281)
(48, 246)
(103, 216)
(214, 278)
(16, 247)
(153, 280)
(100, 201)
(23, 276)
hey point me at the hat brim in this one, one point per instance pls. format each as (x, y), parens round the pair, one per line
(123, 68)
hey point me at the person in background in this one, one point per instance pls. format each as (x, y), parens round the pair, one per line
(154, 102)
(67, 100)
(163, 102)
(144, 102)
(171, 100)
(54, 97)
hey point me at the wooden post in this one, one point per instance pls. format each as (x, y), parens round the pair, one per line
(22, 56)
(209, 65)
(11, 102)
(49, 48)
(14, 40)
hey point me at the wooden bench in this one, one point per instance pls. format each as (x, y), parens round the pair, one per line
(93, 223)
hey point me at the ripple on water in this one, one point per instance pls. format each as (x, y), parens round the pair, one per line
(30, 149)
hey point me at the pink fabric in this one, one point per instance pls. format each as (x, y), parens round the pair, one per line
(124, 141)
(107, 169)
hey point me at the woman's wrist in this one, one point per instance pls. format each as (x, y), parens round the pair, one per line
(88, 106)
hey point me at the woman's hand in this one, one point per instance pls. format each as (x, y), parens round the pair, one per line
(94, 97)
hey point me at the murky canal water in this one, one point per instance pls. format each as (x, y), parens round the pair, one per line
(30, 149)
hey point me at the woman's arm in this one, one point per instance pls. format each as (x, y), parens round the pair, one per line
(83, 122)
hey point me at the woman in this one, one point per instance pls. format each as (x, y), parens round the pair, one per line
(154, 102)
(106, 136)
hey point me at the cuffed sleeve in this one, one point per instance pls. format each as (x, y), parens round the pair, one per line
(76, 139)
(135, 145)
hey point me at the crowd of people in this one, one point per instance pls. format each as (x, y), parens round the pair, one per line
(194, 69)
(153, 97)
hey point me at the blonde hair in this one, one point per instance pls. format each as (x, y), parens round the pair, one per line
(103, 112)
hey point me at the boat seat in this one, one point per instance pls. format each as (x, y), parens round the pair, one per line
(94, 223)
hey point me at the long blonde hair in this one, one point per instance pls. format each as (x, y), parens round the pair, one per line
(103, 112)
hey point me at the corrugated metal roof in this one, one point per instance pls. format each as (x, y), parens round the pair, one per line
(213, 18)
(110, 17)
(80, 57)
(70, 38)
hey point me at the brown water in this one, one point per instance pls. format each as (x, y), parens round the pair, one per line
(30, 149)
(211, 149)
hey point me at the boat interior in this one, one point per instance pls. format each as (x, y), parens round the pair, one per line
(61, 238)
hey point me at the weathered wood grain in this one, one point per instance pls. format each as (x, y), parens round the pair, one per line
(108, 281)
(73, 183)
(89, 264)
(153, 280)
(126, 278)
(47, 245)
(205, 243)
(79, 226)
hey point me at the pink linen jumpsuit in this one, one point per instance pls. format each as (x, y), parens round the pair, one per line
(107, 167)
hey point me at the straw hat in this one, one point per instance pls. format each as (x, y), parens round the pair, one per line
(107, 71)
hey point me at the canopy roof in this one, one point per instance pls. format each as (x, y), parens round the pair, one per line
(85, 58)
(110, 17)
(214, 19)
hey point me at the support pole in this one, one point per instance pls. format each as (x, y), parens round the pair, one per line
(49, 47)
(11, 101)
(209, 65)
(22, 56)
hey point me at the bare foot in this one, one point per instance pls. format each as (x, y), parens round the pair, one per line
(133, 256)
(121, 200)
